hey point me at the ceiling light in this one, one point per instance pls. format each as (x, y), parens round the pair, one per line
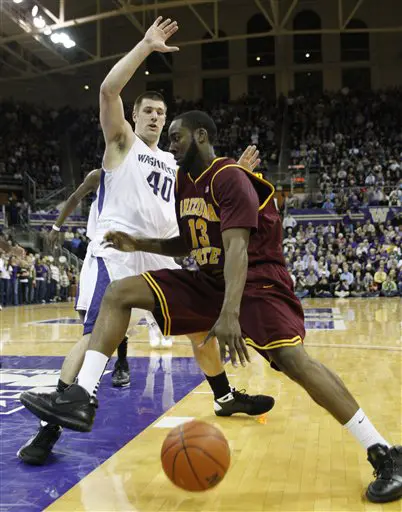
(307, 55)
(39, 22)
(35, 10)
(86, 87)
(18, 1)
(258, 59)
(69, 43)
(55, 37)
(147, 72)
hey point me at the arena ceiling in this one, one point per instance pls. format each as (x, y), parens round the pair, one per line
(27, 52)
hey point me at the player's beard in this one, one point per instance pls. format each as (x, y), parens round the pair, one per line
(189, 157)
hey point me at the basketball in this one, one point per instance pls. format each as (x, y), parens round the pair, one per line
(195, 456)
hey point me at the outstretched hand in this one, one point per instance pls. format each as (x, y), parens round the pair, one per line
(249, 159)
(228, 333)
(159, 32)
(120, 241)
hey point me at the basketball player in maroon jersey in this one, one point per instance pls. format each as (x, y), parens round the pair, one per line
(242, 294)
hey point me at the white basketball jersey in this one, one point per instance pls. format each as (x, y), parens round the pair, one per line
(93, 217)
(138, 196)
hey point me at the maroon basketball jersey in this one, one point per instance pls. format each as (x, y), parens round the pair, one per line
(228, 196)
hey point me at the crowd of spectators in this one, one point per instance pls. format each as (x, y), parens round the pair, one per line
(249, 120)
(344, 260)
(30, 142)
(353, 140)
(29, 278)
(354, 143)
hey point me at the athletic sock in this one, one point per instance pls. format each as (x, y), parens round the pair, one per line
(364, 431)
(219, 385)
(91, 371)
(61, 386)
(122, 350)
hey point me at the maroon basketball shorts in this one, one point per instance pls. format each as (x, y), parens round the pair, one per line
(271, 315)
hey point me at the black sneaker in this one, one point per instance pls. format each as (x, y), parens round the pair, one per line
(39, 447)
(73, 408)
(121, 374)
(239, 401)
(387, 464)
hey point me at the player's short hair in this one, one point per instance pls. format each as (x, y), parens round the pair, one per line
(195, 119)
(149, 95)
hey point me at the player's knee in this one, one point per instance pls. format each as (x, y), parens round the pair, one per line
(114, 294)
(293, 361)
(131, 292)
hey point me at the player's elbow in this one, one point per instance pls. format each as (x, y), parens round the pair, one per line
(108, 91)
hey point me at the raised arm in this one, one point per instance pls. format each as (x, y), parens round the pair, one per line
(117, 131)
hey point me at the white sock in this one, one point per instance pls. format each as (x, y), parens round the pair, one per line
(91, 371)
(364, 431)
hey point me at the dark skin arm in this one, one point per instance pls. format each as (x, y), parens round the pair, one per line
(227, 327)
(90, 184)
(165, 246)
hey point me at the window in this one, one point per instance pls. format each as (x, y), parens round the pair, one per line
(216, 90)
(262, 85)
(215, 55)
(307, 47)
(355, 46)
(357, 78)
(260, 50)
(309, 83)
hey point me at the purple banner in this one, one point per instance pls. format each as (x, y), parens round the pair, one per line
(376, 214)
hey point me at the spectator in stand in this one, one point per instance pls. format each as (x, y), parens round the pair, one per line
(68, 237)
(389, 288)
(310, 282)
(41, 281)
(342, 288)
(54, 282)
(380, 276)
(357, 288)
(322, 288)
(64, 284)
(346, 274)
(13, 270)
(300, 287)
(289, 222)
(75, 243)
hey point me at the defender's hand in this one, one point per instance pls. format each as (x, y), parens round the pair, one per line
(249, 159)
(228, 332)
(120, 241)
(159, 32)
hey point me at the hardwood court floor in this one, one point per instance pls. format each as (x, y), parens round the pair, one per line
(295, 458)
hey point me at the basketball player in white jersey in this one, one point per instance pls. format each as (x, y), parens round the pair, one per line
(136, 196)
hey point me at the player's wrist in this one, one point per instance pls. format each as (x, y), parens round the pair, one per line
(55, 228)
(147, 45)
(232, 312)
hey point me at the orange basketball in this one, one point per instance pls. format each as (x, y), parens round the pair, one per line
(195, 456)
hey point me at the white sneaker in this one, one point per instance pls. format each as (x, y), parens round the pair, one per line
(154, 338)
(167, 342)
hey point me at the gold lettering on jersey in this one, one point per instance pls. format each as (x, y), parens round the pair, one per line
(206, 255)
(199, 208)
